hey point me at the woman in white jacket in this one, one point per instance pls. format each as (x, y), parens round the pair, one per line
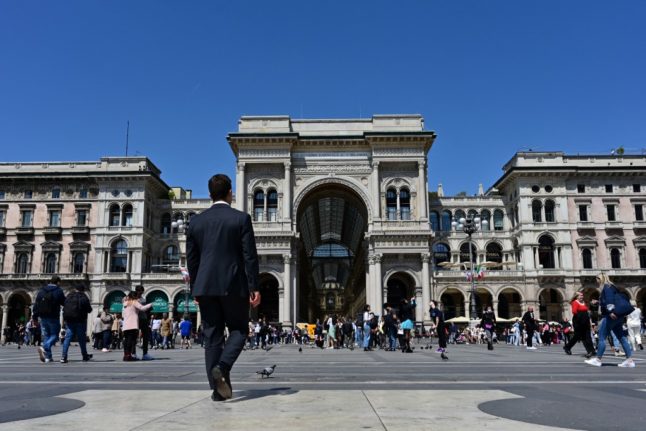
(634, 321)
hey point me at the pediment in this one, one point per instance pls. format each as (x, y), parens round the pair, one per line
(640, 241)
(587, 240)
(51, 246)
(615, 240)
(23, 246)
(79, 245)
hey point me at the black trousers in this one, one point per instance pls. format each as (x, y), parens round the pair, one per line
(581, 333)
(130, 341)
(530, 338)
(218, 312)
(441, 335)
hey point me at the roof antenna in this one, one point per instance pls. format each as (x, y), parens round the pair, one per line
(127, 136)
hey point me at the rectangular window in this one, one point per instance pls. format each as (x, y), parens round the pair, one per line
(56, 193)
(1, 194)
(55, 218)
(639, 212)
(2, 218)
(583, 213)
(611, 213)
(272, 214)
(258, 214)
(580, 188)
(608, 188)
(27, 218)
(392, 213)
(28, 194)
(637, 188)
(83, 194)
(81, 218)
(405, 213)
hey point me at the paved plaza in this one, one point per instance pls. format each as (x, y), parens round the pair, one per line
(507, 389)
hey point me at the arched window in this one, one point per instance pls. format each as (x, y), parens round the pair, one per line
(498, 220)
(447, 218)
(78, 263)
(460, 214)
(50, 263)
(404, 203)
(126, 215)
(22, 263)
(485, 215)
(536, 211)
(391, 204)
(549, 211)
(330, 301)
(259, 205)
(165, 223)
(435, 221)
(546, 252)
(441, 253)
(115, 215)
(464, 253)
(494, 252)
(171, 256)
(586, 256)
(272, 205)
(119, 256)
(642, 258)
(615, 258)
(472, 214)
(176, 217)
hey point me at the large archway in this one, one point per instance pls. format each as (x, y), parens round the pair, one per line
(453, 302)
(399, 286)
(332, 220)
(18, 309)
(268, 308)
(551, 305)
(484, 299)
(509, 304)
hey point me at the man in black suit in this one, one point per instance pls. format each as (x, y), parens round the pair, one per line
(223, 269)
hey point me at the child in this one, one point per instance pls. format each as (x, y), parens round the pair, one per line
(131, 307)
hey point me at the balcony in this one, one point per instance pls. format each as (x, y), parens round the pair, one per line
(52, 230)
(43, 277)
(641, 224)
(614, 225)
(157, 276)
(583, 225)
(80, 230)
(115, 276)
(25, 230)
(3, 231)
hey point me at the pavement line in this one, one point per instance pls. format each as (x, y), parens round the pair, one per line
(344, 383)
(373, 409)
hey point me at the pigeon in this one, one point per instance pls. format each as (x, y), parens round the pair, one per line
(266, 372)
(268, 348)
(444, 357)
(300, 350)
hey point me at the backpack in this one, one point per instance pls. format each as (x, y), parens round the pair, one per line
(45, 305)
(73, 308)
(622, 304)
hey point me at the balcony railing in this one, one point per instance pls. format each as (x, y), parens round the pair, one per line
(25, 230)
(41, 276)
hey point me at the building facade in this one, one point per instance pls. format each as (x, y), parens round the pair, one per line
(342, 216)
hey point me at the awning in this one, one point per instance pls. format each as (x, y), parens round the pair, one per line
(159, 301)
(180, 308)
(114, 301)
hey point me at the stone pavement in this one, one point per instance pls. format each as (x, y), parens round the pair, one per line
(507, 389)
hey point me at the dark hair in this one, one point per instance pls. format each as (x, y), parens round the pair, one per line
(219, 187)
(81, 288)
(366, 307)
(132, 295)
(55, 279)
(139, 288)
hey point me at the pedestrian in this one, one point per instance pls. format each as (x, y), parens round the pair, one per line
(131, 311)
(366, 328)
(529, 322)
(488, 322)
(97, 332)
(47, 307)
(223, 274)
(437, 317)
(75, 310)
(407, 317)
(634, 322)
(185, 329)
(615, 305)
(581, 323)
(155, 326)
(144, 324)
(166, 330)
(106, 328)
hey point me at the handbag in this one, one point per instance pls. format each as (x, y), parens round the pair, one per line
(622, 304)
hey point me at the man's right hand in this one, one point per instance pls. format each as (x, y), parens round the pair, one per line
(254, 299)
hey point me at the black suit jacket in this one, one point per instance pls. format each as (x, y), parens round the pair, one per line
(221, 253)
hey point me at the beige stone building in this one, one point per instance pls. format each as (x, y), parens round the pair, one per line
(343, 217)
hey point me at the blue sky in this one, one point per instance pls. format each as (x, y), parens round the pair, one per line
(490, 77)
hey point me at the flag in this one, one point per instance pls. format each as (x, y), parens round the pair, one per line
(185, 275)
(481, 273)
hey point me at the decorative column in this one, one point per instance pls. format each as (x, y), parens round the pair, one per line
(240, 187)
(419, 308)
(375, 191)
(467, 308)
(171, 309)
(5, 314)
(379, 294)
(421, 192)
(287, 192)
(370, 271)
(295, 309)
(494, 305)
(398, 214)
(287, 291)
(426, 286)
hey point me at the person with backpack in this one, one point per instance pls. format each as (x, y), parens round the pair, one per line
(615, 305)
(75, 310)
(488, 322)
(47, 308)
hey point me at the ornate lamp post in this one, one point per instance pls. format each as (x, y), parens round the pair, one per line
(470, 225)
(181, 227)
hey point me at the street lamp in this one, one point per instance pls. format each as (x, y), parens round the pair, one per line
(470, 225)
(180, 226)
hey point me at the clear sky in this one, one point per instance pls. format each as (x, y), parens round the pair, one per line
(490, 77)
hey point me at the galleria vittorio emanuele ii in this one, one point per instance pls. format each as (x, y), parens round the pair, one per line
(343, 216)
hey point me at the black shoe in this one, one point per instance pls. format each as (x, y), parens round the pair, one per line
(589, 355)
(641, 347)
(567, 351)
(217, 397)
(87, 358)
(63, 360)
(221, 385)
